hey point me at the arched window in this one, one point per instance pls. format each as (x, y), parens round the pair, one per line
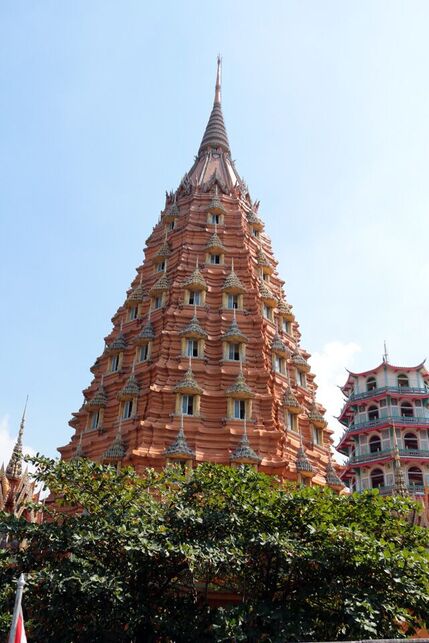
(374, 444)
(407, 410)
(410, 441)
(371, 383)
(403, 380)
(377, 478)
(415, 476)
(372, 413)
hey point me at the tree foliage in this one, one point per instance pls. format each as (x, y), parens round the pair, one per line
(216, 554)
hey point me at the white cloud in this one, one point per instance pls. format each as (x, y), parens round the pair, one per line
(7, 441)
(330, 365)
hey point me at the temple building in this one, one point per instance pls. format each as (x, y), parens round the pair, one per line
(386, 437)
(17, 488)
(204, 361)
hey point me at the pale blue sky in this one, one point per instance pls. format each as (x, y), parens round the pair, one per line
(102, 108)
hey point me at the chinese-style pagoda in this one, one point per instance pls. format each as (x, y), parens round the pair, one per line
(204, 361)
(386, 439)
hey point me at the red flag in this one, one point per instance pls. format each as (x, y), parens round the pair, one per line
(20, 636)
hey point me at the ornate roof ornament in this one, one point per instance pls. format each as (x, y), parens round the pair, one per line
(232, 283)
(303, 464)
(147, 333)
(100, 398)
(234, 333)
(116, 451)
(262, 260)
(290, 402)
(215, 135)
(267, 296)
(331, 476)
(193, 329)
(254, 220)
(188, 385)
(300, 362)
(131, 389)
(161, 285)
(285, 310)
(119, 344)
(215, 205)
(173, 212)
(240, 390)
(196, 280)
(214, 243)
(244, 454)
(399, 486)
(164, 250)
(278, 347)
(79, 452)
(179, 448)
(315, 416)
(14, 467)
(136, 295)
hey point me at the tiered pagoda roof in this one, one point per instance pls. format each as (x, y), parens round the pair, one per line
(249, 377)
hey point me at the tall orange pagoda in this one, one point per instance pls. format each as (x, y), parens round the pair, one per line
(204, 361)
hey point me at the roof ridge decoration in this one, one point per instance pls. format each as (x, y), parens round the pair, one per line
(196, 279)
(290, 401)
(79, 452)
(240, 389)
(285, 310)
(278, 346)
(303, 464)
(214, 243)
(193, 329)
(14, 467)
(331, 476)
(147, 333)
(188, 384)
(300, 362)
(131, 387)
(100, 398)
(215, 135)
(215, 205)
(161, 285)
(315, 416)
(137, 294)
(119, 344)
(400, 486)
(244, 453)
(232, 283)
(180, 446)
(234, 331)
(116, 451)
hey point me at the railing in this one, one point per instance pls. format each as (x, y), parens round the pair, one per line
(389, 389)
(417, 489)
(388, 419)
(383, 453)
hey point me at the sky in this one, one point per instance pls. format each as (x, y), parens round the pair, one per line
(102, 109)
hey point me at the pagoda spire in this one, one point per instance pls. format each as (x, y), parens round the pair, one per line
(14, 468)
(215, 135)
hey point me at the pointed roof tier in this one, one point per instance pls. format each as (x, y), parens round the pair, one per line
(196, 280)
(234, 334)
(230, 310)
(14, 467)
(290, 402)
(332, 478)
(268, 297)
(303, 464)
(117, 450)
(278, 347)
(147, 334)
(99, 400)
(315, 417)
(244, 454)
(300, 362)
(193, 329)
(232, 283)
(130, 390)
(240, 389)
(79, 453)
(179, 448)
(188, 385)
(285, 310)
(136, 295)
(215, 244)
(118, 345)
(160, 286)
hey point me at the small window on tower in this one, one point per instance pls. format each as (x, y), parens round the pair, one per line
(240, 409)
(160, 267)
(279, 364)
(114, 363)
(265, 276)
(192, 348)
(133, 313)
(232, 301)
(292, 422)
(255, 233)
(171, 225)
(194, 297)
(286, 326)
(317, 436)
(215, 259)
(95, 418)
(234, 352)
(188, 405)
(215, 218)
(157, 302)
(144, 353)
(127, 409)
(267, 311)
(301, 379)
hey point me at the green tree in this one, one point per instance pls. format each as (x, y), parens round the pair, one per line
(216, 554)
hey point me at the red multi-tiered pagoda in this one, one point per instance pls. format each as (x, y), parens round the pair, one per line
(386, 439)
(204, 361)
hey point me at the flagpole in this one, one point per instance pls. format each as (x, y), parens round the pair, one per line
(17, 607)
